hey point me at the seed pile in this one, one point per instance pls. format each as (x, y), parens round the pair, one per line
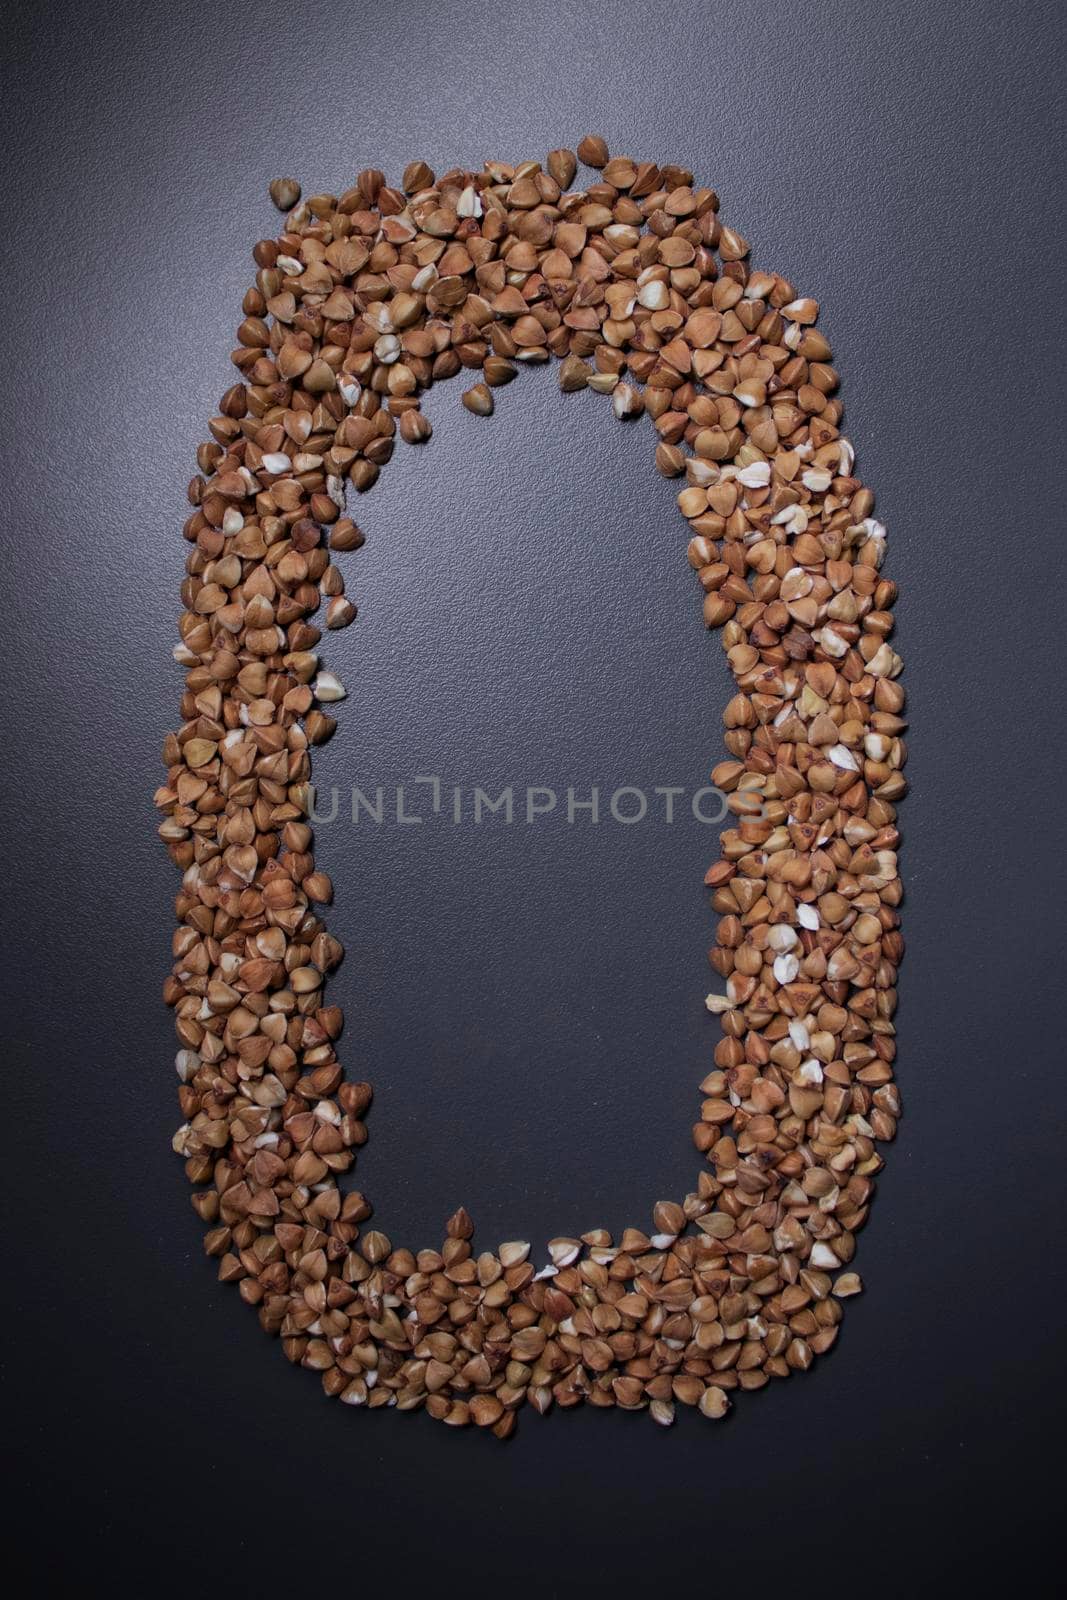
(363, 302)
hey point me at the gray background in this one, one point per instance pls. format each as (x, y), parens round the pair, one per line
(528, 1000)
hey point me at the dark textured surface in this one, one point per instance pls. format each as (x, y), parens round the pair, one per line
(528, 1000)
